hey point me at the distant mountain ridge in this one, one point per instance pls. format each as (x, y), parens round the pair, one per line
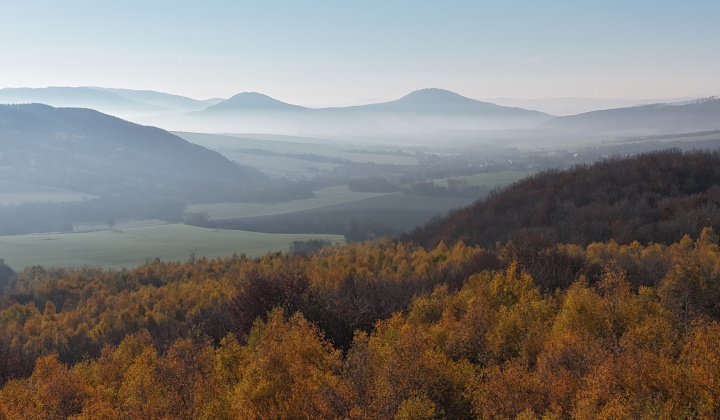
(420, 113)
(426, 113)
(118, 102)
(163, 100)
(423, 101)
(72, 97)
(564, 106)
(687, 116)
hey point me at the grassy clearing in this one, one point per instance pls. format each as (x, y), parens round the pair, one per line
(17, 192)
(490, 179)
(323, 197)
(130, 246)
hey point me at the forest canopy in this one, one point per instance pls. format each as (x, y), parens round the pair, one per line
(654, 197)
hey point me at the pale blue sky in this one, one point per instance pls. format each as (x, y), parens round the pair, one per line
(341, 52)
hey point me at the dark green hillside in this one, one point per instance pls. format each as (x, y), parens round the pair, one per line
(655, 197)
(84, 150)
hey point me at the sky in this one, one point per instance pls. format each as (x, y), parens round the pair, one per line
(323, 53)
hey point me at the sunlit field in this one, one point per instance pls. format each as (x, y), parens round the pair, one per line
(129, 247)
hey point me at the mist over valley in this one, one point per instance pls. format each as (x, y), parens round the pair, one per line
(267, 166)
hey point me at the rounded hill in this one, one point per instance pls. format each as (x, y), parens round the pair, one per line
(84, 150)
(252, 101)
(444, 102)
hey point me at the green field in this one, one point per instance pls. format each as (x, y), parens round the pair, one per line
(323, 197)
(127, 247)
(16, 192)
(489, 179)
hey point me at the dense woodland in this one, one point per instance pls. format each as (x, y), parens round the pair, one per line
(534, 326)
(654, 197)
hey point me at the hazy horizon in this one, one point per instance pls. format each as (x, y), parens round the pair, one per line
(348, 102)
(328, 54)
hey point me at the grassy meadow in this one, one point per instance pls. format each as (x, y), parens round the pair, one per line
(126, 247)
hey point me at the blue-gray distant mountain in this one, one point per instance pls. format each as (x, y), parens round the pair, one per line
(575, 105)
(692, 116)
(162, 100)
(212, 101)
(87, 151)
(420, 114)
(435, 101)
(84, 97)
(254, 102)
(119, 102)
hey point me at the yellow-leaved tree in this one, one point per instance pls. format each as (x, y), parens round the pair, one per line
(288, 371)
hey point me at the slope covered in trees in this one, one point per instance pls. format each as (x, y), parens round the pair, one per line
(654, 197)
(87, 151)
(383, 329)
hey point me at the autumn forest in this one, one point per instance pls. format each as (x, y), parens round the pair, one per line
(586, 293)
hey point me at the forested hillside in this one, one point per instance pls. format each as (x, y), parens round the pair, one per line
(84, 150)
(654, 197)
(383, 329)
(125, 170)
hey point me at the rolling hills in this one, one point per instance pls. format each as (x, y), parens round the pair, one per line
(420, 114)
(426, 114)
